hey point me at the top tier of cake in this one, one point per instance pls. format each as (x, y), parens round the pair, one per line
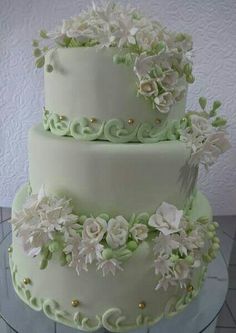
(86, 83)
(114, 74)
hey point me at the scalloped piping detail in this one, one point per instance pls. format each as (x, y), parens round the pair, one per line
(113, 130)
(112, 319)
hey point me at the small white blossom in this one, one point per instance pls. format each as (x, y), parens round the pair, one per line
(165, 282)
(162, 264)
(117, 232)
(109, 266)
(72, 247)
(206, 142)
(167, 219)
(208, 152)
(164, 244)
(163, 102)
(200, 125)
(139, 231)
(170, 79)
(90, 250)
(94, 228)
(40, 218)
(181, 272)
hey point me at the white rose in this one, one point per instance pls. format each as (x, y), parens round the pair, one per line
(117, 232)
(200, 125)
(170, 79)
(94, 228)
(164, 101)
(139, 231)
(148, 87)
(167, 219)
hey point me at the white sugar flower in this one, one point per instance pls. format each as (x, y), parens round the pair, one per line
(181, 270)
(148, 87)
(165, 282)
(117, 232)
(33, 241)
(90, 250)
(208, 152)
(94, 228)
(41, 217)
(164, 244)
(144, 64)
(164, 101)
(169, 80)
(139, 231)
(145, 39)
(77, 28)
(163, 264)
(109, 266)
(206, 142)
(72, 248)
(200, 125)
(167, 219)
(179, 92)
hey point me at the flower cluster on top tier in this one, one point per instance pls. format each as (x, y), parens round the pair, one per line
(47, 225)
(161, 59)
(205, 132)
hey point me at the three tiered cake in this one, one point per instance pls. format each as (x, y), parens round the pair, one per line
(111, 230)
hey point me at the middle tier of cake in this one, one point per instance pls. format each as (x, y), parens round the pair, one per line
(101, 177)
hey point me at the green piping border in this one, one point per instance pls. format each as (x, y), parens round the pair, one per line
(113, 130)
(112, 319)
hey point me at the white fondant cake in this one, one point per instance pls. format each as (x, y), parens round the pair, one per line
(111, 230)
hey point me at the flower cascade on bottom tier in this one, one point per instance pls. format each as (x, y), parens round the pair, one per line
(47, 226)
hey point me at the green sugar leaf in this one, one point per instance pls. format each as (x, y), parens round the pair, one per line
(190, 78)
(160, 46)
(187, 69)
(203, 102)
(43, 34)
(49, 68)
(117, 59)
(216, 105)
(73, 43)
(128, 59)
(35, 43)
(43, 264)
(218, 122)
(37, 52)
(39, 63)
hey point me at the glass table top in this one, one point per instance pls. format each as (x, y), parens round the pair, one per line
(196, 318)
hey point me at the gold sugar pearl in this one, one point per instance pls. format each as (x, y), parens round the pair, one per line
(142, 305)
(189, 288)
(93, 120)
(61, 117)
(75, 303)
(9, 249)
(158, 121)
(130, 121)
(27, 281)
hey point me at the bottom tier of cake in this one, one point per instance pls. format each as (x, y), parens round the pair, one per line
(122, 302)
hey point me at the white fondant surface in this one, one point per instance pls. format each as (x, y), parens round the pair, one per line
(86, 83)
(112, 178)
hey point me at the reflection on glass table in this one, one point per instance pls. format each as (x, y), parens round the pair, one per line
(198, 317)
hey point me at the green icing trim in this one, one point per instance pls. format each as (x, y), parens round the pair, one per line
(113, 130)
(112, 319)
